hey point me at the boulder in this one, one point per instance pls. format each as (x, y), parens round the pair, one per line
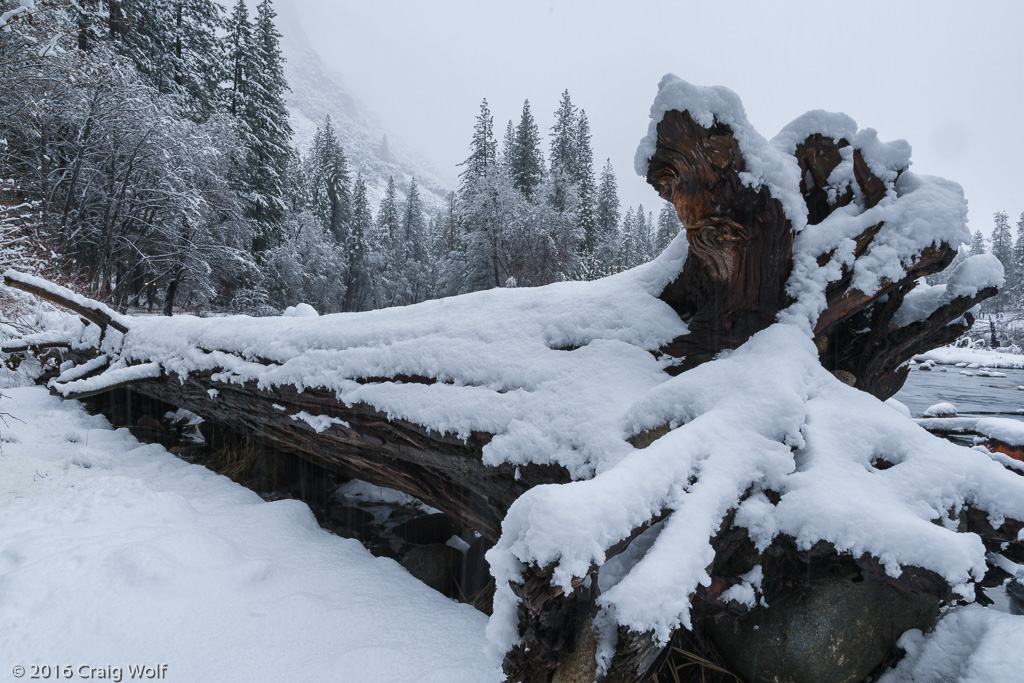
(435, 564)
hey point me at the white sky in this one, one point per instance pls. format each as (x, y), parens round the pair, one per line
(946, 76)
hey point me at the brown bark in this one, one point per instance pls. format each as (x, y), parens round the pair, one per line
(740, 240)
(733, 282)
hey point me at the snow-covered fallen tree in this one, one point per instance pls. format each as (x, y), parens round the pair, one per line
(695, 443)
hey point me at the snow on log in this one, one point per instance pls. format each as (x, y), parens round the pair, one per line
(823, 224)
(694, 445)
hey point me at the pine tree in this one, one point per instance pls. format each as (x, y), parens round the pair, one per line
(241, 54)
(266, 130)
(483, 149)
(1002, 249)
(507, 146)
(1018, 262)
(526, 165)
(564, 137)
(385, 270)
(477, 206)
(329, 183)
(197, 61)
(142, 30)
(412, 254)
(296, 183)
(564, 154)
(357, 292)
(607, 217)
(627, 241)
(977, 244)
(584, 180)
(669, 226)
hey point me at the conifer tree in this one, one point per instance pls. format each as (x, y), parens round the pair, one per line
(385, 268)
(1002, 249)
(507, 145)
(329, 182)
(526, 165)
(564, 156)
(357, 292)
(240, 54)
(412, 252)
(197, 60)
(606, 216)
(669, 226)
(978, 244)
(477, 202)
(266, 130)
(1017, 289)
(627, 241)
(483, 155)
(583, 177)
(142, 31)
(296, 183)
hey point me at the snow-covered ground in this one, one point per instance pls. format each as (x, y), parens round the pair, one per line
(986, 358)
(114, 553)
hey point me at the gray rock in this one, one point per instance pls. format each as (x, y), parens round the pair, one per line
(838, 631)
(435, 564)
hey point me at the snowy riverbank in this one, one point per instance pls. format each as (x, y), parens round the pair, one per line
(986, 358)
(114, 553)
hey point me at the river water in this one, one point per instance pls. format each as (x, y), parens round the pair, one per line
(972, 395)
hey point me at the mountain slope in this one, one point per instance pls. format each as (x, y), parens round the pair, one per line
(318, 91)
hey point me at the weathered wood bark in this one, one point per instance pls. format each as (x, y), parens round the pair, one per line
(740, 240)
(439, 469)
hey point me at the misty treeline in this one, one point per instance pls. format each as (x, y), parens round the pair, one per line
(145, 146)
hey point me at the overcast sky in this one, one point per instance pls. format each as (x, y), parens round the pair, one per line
(945, 76)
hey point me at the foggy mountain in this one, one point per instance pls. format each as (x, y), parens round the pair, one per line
(318, 91)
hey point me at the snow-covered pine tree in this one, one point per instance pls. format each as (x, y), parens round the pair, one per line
(297, 191)
(644, 236)
(526, 162)
(563, 156)
(669, 226)
(357, 293)
(413, 248)
(583, 177)
(508, 143)
(329, 182)
(197, 58)
(384, 269)
(447, 250)
(627, 242)
(240, 57)
(267, 133)
(978, 244)
(606, 218)
(142, 31)
(1018, 262)
(1002, 248)
(476, 205)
